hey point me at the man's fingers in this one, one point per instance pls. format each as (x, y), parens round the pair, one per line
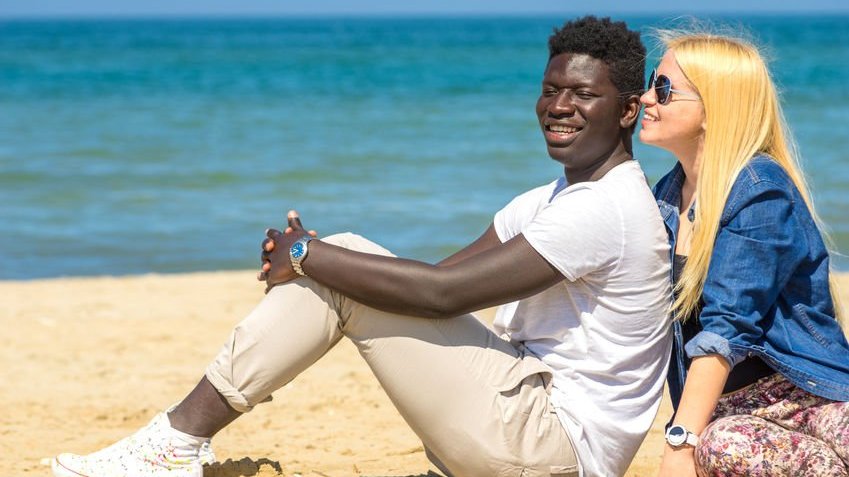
(273, 233)
(267, 245)
(313, 233)
(266, 267)
(294, 220)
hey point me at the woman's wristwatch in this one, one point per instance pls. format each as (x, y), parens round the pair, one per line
(677, 436)
(298, 252)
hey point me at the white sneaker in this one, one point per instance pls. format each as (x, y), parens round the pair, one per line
(206, 456)
(156, 450)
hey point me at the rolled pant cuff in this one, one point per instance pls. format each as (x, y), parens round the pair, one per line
(234, 398)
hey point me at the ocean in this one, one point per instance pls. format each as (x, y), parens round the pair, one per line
(169, 145)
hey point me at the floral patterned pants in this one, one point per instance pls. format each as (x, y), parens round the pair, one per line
(773, 428)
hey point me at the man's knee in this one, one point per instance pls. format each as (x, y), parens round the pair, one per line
(356, 243)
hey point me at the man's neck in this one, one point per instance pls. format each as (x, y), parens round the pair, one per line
(618, 156)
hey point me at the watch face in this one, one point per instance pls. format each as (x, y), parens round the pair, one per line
(676, 435)
(297, 250)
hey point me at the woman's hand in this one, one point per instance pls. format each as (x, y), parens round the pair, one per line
(276, 264)
(678, 462)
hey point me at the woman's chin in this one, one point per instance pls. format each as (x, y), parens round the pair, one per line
(648, 139)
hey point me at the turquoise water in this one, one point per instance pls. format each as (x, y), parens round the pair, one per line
(170, 145)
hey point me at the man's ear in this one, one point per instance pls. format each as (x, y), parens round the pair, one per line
(630, 111)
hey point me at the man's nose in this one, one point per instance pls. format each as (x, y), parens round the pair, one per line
(563, 104)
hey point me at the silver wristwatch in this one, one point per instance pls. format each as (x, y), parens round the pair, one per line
(677, 436)
(298, 252)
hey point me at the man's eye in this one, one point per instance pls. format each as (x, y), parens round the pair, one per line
(549, 91)
(585, 95)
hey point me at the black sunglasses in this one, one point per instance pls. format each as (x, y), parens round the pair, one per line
(662, 86)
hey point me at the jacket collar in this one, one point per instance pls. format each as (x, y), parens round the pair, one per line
(669, 195)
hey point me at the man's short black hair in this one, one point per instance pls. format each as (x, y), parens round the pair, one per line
(611, 42)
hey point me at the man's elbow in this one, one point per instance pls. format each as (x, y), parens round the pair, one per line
(442, 305)
(442, 295)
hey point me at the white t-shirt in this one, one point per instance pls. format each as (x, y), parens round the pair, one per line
(604, 331)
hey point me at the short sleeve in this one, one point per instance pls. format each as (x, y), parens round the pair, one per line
(517, 214)
(580, 231)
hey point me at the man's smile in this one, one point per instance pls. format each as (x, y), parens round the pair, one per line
(558, 132)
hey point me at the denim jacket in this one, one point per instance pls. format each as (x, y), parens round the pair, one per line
(766, 293)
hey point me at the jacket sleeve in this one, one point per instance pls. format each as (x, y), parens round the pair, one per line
(757, 248)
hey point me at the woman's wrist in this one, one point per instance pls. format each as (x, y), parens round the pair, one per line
(682, 450)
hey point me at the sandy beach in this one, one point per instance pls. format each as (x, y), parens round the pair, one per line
(85, 361)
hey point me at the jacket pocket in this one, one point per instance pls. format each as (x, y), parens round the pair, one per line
(802, 315)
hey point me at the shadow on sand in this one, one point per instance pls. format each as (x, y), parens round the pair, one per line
(247, 467)
(244, 467)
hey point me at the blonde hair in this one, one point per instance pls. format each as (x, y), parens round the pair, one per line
(742, 118)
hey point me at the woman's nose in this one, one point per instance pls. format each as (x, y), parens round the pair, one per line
(648, 98)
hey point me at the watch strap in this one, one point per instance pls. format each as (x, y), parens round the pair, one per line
(296, 266)
(692, 439)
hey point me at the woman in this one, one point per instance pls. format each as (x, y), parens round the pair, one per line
(767, 363)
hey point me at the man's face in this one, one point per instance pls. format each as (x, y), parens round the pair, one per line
(579, 112)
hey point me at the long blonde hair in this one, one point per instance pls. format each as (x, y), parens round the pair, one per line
(742, 118)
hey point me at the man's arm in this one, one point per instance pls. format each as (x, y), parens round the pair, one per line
(486, 273)
(488, 240)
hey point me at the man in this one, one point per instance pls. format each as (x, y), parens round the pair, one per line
(571, 378)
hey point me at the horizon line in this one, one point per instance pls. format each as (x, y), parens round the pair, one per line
(398, 14)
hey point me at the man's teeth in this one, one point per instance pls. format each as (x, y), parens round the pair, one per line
(649, 117)
(562, 129)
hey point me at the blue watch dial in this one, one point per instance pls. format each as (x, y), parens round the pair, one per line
(297, 250)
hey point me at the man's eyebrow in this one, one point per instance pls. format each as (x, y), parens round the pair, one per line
(572, 83)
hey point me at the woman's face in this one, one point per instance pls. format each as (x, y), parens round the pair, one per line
(678, 125)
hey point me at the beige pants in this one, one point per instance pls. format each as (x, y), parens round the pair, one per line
(479, 404)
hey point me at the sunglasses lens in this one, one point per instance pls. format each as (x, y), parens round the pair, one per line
(662, 88)
(651, 80)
